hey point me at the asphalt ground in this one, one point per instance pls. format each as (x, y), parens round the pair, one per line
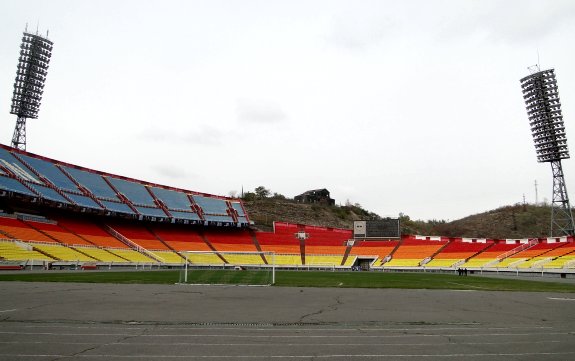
(69, 321)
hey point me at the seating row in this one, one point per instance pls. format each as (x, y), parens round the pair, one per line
(41, 178)
(82, 240)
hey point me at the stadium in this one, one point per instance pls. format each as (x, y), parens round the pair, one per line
(62, 215)
(66, 216)
(99, 265)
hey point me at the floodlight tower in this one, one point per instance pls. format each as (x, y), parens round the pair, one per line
(546, 120)
(35, 53)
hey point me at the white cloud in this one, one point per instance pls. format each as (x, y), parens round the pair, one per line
(259, 111)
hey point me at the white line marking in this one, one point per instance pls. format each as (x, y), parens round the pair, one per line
(470, 327)
(290, 336)
(441, 344)
(346, 356)
(561, 299)
(12, 310)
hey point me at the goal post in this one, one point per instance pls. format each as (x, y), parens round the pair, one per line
(228, 267)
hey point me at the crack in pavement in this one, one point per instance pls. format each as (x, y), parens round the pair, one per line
(119, 340)
(331, 307)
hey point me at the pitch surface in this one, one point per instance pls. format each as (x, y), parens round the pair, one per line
(68, 321)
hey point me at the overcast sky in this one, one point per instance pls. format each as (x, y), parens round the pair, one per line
(401, 106)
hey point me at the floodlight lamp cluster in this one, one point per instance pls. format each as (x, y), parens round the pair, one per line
(543, 105)
(35, 53)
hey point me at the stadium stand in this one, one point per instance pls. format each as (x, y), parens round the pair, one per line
(270, 242)
(230, 240)
(13, 185)
(490, 254)
(9, 163)
(48, 193)
(132, 255)
(56, 232)
(534, 249)
(101, 254)
(28, 175)
(93, 182)
(17, 229)
(140, 235)
(180, 238)
(563, 257)
(19, 251)
(324, 260)
(61, 252)
(376, 249)
(51, 172)
(172, 199)
(215, 209)
(412, 252)
(91, 232)
(542, 253)
(135, 192)
(168, 257)
(458, 250)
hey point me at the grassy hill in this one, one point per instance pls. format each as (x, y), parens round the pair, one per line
(267, 210)
(515, 221)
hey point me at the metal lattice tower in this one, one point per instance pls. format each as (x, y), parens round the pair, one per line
(35, 53)
(543, 105)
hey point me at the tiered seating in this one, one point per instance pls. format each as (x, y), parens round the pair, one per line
(168, 256)
(13, 251)
(288, 259)
(12, 185)
(21, 230)
(141, 236)
(204, 259)
(242, 217)
(174, 200)
(48, 193)
(93, 182)
(270, 242)
(323, 260)
(49, 171)
(412, 252)
(326, 241)
(243, 259)
(565, 256)
(542, 253)
(135, 192)
(61, 252)
(117, 207)
(180, 238)
(231, 241)
(62, 235)
(215, 209)
(10, 162)
(101, 254)
(377, 249)
(83, 201)
(37, 177)
(132, 256)
(283, 243)
(234, 241)
(518, 258)
(489, 255)
(91, 232)
(454, 252)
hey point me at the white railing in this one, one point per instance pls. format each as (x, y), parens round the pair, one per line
(132, 244)
(515, 250)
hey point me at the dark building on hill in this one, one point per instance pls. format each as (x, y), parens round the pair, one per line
(315, 196)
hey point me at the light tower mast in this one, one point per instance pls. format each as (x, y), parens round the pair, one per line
(35, 53)
(543, 105)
